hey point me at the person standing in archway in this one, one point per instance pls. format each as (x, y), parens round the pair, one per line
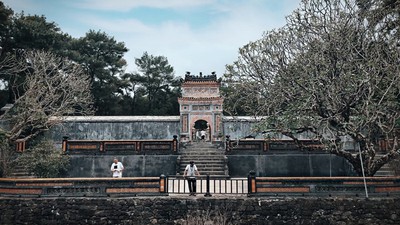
(203, 135)
(191, 172)
(198, 136)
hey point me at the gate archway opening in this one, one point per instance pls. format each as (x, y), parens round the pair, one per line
(202, 130)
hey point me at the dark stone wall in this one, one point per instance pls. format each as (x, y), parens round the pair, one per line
(273, 165)
(146, 128)
(289, 165)
(211, 211)
(136, 128)
(135, 165)
(240, 128)
(114, 130)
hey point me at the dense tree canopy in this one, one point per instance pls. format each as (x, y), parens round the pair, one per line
(102, 58)
(154, 87)
(23, 33)
(5, 23)
(46, 74)
(329, 74)
(115, 91)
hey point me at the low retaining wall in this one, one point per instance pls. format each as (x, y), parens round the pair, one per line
(70, 187)
(211, 211)
(252, 186)
(315, 186)
(290, 164)
(135, 165)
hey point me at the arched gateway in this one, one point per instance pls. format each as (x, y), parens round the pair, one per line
(200, 108)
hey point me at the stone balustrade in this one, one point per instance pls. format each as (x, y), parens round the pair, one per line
(120, 147)
(83, 187)
(317, 186)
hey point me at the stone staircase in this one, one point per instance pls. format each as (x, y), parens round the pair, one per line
(385, 170)
(207, 157)
(19, 171)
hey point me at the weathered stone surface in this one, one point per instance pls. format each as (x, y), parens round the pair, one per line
(293, 164)
(116, 128)
(135, 165)
(200, 210)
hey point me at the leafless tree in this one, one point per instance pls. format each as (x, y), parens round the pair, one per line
(51, 88)
(328, 73)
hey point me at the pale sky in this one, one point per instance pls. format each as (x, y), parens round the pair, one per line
(195, 35)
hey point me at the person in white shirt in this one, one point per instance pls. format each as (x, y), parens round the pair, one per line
(117, 168)
(203, 135)
(191, 172)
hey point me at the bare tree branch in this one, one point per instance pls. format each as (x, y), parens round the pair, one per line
(328, 72)
(51, 88)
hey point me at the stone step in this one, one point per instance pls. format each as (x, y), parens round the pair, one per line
(221, 165)
(209, 172)
(201, 149)
(20, 172)
(202, 153)
(199, 165)
(207, 169)
(12, 175)
(207, 157)
(203, 161)
(207, 146)
(385, 171)
(204, 158)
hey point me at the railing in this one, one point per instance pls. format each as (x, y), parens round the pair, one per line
(251, 186)
(82, 187)
(315, 186)
(123, 147)
(256, 146)
(208, 185)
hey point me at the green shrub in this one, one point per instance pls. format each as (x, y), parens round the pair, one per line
(44, 160)
(6, 154)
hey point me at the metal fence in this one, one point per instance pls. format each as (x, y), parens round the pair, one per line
(208, 185)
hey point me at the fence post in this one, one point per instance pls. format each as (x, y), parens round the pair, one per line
(163, 184)
(207, 194)
(64, 144)
(228, 143)
(251, 183)
(102, 146)
(20, 145)
(175, 146)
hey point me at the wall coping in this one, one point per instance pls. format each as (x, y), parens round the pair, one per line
(243, 118)
(145, 118)
(119, 118)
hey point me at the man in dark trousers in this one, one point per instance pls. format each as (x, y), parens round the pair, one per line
(191, 172)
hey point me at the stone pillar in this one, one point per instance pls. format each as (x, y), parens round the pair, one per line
(251, 183)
